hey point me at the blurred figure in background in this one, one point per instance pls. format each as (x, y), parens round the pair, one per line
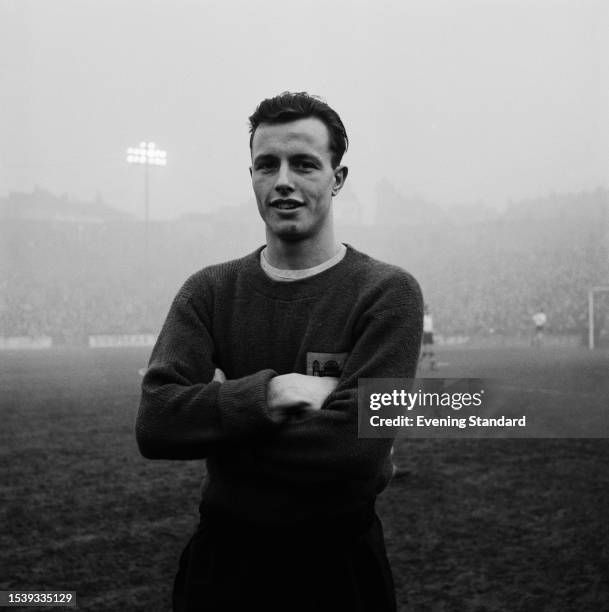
(539, 320)
(427, 351)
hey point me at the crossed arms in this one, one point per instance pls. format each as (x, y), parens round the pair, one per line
(189, 410)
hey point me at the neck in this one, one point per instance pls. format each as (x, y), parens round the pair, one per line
(302, 254)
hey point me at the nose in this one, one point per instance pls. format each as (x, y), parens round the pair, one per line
(284, 184)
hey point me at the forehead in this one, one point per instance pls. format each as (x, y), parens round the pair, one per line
(308, 135)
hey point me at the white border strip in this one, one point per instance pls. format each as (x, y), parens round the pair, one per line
(11, 343)
(120, 340)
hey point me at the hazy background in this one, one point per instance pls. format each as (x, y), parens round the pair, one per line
(465, 101)
(479, 156)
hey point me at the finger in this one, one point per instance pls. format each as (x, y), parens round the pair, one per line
(331, 381)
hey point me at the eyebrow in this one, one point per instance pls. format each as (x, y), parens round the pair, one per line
(264, 157)
(296, 156)
(306, 156)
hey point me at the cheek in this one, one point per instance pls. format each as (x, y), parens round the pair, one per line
(325, 187)
(259, 186)
(318, 189)
(323, 193)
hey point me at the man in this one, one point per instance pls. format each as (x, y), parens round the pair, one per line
(239, 376)
(539, 321)
(427, 351)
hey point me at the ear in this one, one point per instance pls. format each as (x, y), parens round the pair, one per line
(340, 176)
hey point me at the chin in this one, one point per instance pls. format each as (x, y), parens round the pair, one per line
(289, 232)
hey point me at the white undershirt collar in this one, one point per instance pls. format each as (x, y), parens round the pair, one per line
(292, 275)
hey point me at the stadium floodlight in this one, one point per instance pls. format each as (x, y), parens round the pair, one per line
(147, 155)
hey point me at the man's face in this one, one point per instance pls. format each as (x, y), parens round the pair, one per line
(293, 178)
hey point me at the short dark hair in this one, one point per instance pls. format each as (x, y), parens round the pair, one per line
(291, 106)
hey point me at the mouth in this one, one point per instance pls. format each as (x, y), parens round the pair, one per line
(288, 204)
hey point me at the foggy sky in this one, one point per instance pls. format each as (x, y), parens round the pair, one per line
(455, 101)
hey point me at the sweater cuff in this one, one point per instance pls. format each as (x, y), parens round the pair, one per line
(243, 404)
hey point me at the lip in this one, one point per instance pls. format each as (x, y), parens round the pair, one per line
(285, 204)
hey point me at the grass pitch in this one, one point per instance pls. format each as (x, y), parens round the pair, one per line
(478, 525)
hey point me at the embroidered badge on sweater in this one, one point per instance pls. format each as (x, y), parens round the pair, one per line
(326, 364)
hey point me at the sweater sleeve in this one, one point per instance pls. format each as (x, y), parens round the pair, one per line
(326, 446)
(182, 415)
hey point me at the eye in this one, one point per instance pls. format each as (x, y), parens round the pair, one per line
(304, 165)
(265, 165)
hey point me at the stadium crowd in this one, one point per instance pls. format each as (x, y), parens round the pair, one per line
(481, 278)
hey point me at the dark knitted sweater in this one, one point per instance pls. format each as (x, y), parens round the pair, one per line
(365, 313)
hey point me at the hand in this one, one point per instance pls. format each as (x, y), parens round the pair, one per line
(295, 394)
(219, 376)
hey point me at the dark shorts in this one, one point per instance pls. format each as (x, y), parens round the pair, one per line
(427, 337)
(231, 567)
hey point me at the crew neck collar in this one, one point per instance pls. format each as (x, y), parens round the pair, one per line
(301, 288)
(291, 275)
